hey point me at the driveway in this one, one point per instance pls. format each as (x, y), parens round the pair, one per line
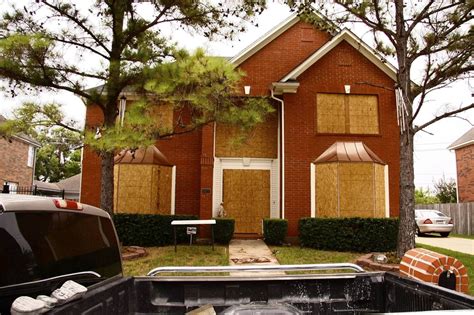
(462, 245)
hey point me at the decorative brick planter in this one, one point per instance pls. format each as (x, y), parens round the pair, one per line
(435, 268)
(368, 262)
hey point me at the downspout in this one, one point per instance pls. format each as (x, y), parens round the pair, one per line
(282, 151)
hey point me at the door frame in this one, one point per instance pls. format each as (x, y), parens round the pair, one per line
(220, 164)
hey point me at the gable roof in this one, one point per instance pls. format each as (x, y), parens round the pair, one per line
(465, 140)
(264, 40)
(20, 136)
(354, 41)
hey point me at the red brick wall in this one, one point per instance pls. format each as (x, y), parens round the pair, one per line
(465, 170)
(14, 163)
(343, 65)
(280, 56)
(184, 151)
(90, 183)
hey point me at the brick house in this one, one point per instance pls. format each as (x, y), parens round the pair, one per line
(334, 103)
(464, 150)
(17, 160)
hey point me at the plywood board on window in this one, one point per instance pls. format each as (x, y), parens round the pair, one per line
(259, 142)
(330, 113)
(363, 114)
(380, 205)
(326, 190)
(246, 195)
(356, 189)
(142, 189)
(163, 116)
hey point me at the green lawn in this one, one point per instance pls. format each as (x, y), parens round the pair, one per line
(195, 255)
(466, 259)
(471, 237)
(296, 255)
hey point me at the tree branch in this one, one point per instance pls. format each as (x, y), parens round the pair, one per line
(445, 115)
(78, 23)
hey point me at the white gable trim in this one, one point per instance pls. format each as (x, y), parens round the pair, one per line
(461, 145)
(355, 42)
(265, 39)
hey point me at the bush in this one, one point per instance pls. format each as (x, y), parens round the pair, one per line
(349, 234)
(224, 230)
(274, 231)
(149, 229)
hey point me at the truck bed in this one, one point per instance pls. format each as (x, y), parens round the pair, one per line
(310, 294)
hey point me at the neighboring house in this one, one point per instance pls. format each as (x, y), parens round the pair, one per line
(331, 148)
(17, 160)
(464, 150)
(70, 187)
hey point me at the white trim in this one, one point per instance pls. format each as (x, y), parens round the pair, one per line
(355, 42)
(281, 177)
(27, 141)
(264, 40)
(312, 169)
(221, 164)
(173, 189)
(280, 88)
(461, 145)
(387, 196)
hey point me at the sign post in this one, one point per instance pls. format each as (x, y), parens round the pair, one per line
(192, 230)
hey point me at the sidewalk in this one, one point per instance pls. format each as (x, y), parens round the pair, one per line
(250, 253)
(457, 244)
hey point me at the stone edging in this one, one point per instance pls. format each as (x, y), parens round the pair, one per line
(367, 261)
(133, 252)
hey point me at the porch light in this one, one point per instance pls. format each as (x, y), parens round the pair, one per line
(247, 89)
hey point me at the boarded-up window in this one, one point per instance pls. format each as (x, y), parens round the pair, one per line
(350, 190)
(260, 142)
(345, 113)
(162, 115)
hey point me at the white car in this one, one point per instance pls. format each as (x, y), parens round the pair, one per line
(432, 221)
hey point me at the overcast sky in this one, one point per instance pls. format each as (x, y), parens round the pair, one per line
(432, 159)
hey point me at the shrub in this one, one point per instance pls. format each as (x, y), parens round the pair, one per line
(224, 230)
(349, 234)
(274, 231)
(149, 229)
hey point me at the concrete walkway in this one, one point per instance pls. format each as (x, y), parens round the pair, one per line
(457, 244)
(251, 252)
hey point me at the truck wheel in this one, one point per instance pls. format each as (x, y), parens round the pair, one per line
(444, 234)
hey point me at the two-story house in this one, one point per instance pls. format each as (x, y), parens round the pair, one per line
(330, 149)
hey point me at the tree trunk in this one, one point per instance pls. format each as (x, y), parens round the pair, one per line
(406, 232)
(107, 182)
(110, 111)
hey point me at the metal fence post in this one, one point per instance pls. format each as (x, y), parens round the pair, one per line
(6, 189)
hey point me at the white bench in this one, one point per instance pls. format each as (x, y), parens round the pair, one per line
(175, 223)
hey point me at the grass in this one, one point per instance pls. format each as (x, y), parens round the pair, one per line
(470, 237)
(466, 259)
(185, 256)
(295, 255)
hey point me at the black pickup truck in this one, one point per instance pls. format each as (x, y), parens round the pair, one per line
(45, 242)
